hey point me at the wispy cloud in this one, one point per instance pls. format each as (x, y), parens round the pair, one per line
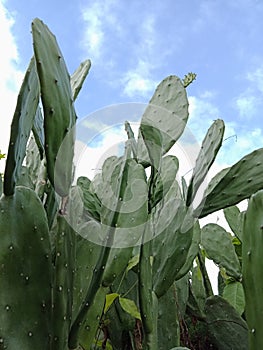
(250, 102)
(246, 105)
(125, 60)
(137, 81)
(99, 23)
(256, 78)
(94, 34)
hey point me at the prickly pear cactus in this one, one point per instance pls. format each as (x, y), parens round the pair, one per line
(163, 121)
(64, 263)
(59, 112)
(22, 123)
(209, 149)
(25, 273)
(228, 330)
(253, 269)
(232, 185)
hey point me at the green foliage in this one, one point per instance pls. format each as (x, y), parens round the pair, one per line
(2, 155)
(119, 261)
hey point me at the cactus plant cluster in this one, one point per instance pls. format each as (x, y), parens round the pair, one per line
(118, 262)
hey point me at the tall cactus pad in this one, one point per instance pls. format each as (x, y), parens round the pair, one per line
(131, 219)
(164, 120)
(168, 322)
(25, 273)
(64, 261)
(234, 219)
(22, 124)
(59, 113)
(78, 77)
(234, 184)
(253, 269)
(209, 149)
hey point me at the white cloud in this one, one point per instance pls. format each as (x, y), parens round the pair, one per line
(247, 106)
(11, 77)
(96, 18)
(89, 158)
(137, 83)
(256, 78)
(123, 60)
(249, 102)
(93, 34)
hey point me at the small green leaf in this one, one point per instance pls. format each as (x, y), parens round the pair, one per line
(130, 307)
(234, 294)
(133, 262)
(2, 155)
(100, 343)
(109, 300)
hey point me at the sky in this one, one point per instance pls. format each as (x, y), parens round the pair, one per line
(133, 45)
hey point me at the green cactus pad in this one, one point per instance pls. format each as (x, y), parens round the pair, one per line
(22, 124)
(84, 266)
(164, 179)
(234, 293)
(25, 273)
(171, 244)
(90, 328)
(132, 217)
(234, 219)
(228, 330)
(64, 261)
(192, 252)
(163, 121)
(218, 245)
(234, 184)
(59, 113)
(78, 77)
(38, 131)
(253, 269)
(209, 149)
(91, 201)
(168, 322)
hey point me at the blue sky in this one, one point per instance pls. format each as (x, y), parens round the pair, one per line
(133, 45)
